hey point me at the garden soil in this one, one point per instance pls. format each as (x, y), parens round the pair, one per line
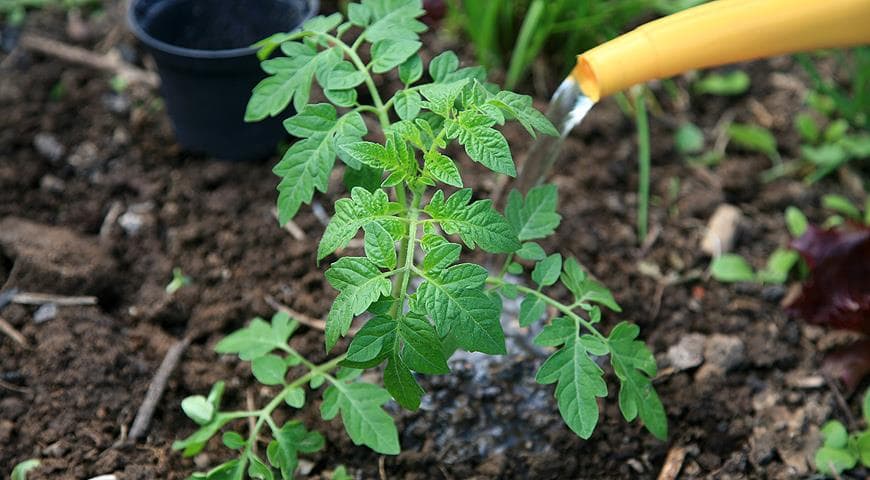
(97, 199)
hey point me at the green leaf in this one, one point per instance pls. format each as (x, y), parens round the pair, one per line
(520, 108)
(364, 419)
(836, 130)
(422, 350)
(441, 97)
(198, 409)
(778, 265)
(807, 127)
(535, 217)
(373, 341)
(842, 205)
(289, 80)
(733, 83)
(197, 440)
(440, 167)
(443, 65)
(635, 367)
(321, 23)
(343, 98)
(269, 369)
(796, 221)
(561, 330)
(20, 471)
(389, 53)
(233, 440)
(295, 397)
(259, 470)
(862, 445)
(865, 406)
(289, 441)
(344, 76)
(578, 382)
(547, 271)
(401, 384)
(411, 70)
(584, 288)
(307, 164)
(394, 19)
(515, 268)
(830, 461)
(359, 14)
(395, 157)
(408, 104)
(441, 256)
(353, 213)
(232, 470)
(834, 434)
(689, 139)
(379, 246)
(255, 340)
(455, 300)
(360, 283)
(483, 144)
(531, 310)
(753, 138)
(340, 473)
(531, 251)
(476, 224)
(730, 267)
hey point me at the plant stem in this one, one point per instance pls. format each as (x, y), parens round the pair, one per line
(567, 310)
(265, 414)
(643, 165)
(406, 255)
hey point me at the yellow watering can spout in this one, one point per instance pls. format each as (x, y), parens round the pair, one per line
(718, 33)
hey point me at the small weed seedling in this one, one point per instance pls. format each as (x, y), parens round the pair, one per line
(412, 231)
(841, 451)
(730, 267)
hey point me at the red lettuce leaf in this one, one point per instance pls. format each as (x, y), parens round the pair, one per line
(837, 292)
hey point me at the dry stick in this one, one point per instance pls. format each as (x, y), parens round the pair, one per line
(156, 388)
(14, 334)
(673, 464)
(841, 402)
(30, 298)
(291, 227)
(302, 318)
(14, 388)
(110, 62)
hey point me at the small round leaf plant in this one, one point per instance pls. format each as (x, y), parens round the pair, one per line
(413, 230)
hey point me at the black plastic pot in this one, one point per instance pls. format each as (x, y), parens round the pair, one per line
(208, 69)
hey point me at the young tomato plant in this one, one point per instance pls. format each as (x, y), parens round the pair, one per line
(413, 230)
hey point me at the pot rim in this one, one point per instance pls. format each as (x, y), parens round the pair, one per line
(160, 45)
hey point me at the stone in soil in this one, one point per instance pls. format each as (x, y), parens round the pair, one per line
(48, 146)
(689, 353)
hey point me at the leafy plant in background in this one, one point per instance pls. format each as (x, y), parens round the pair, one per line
(14, 11)
(833, 264)
(409, 222)
(841, 451)
(519, 30)
(834, 131)
(730, 267)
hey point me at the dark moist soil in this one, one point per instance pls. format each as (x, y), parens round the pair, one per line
(71, 395)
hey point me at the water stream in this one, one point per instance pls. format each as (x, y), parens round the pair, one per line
(567, 109)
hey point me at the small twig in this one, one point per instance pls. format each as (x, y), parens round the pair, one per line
(110, 62)
(841, 402)
(252, 422)
(302, 318)
(112, 215)
(673, 464)
(30, 298)
(14, 334)
(156, 388)
(14, 388)
(382, 471)
(291, 227)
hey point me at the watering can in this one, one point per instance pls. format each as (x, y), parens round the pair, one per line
(713, 34)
